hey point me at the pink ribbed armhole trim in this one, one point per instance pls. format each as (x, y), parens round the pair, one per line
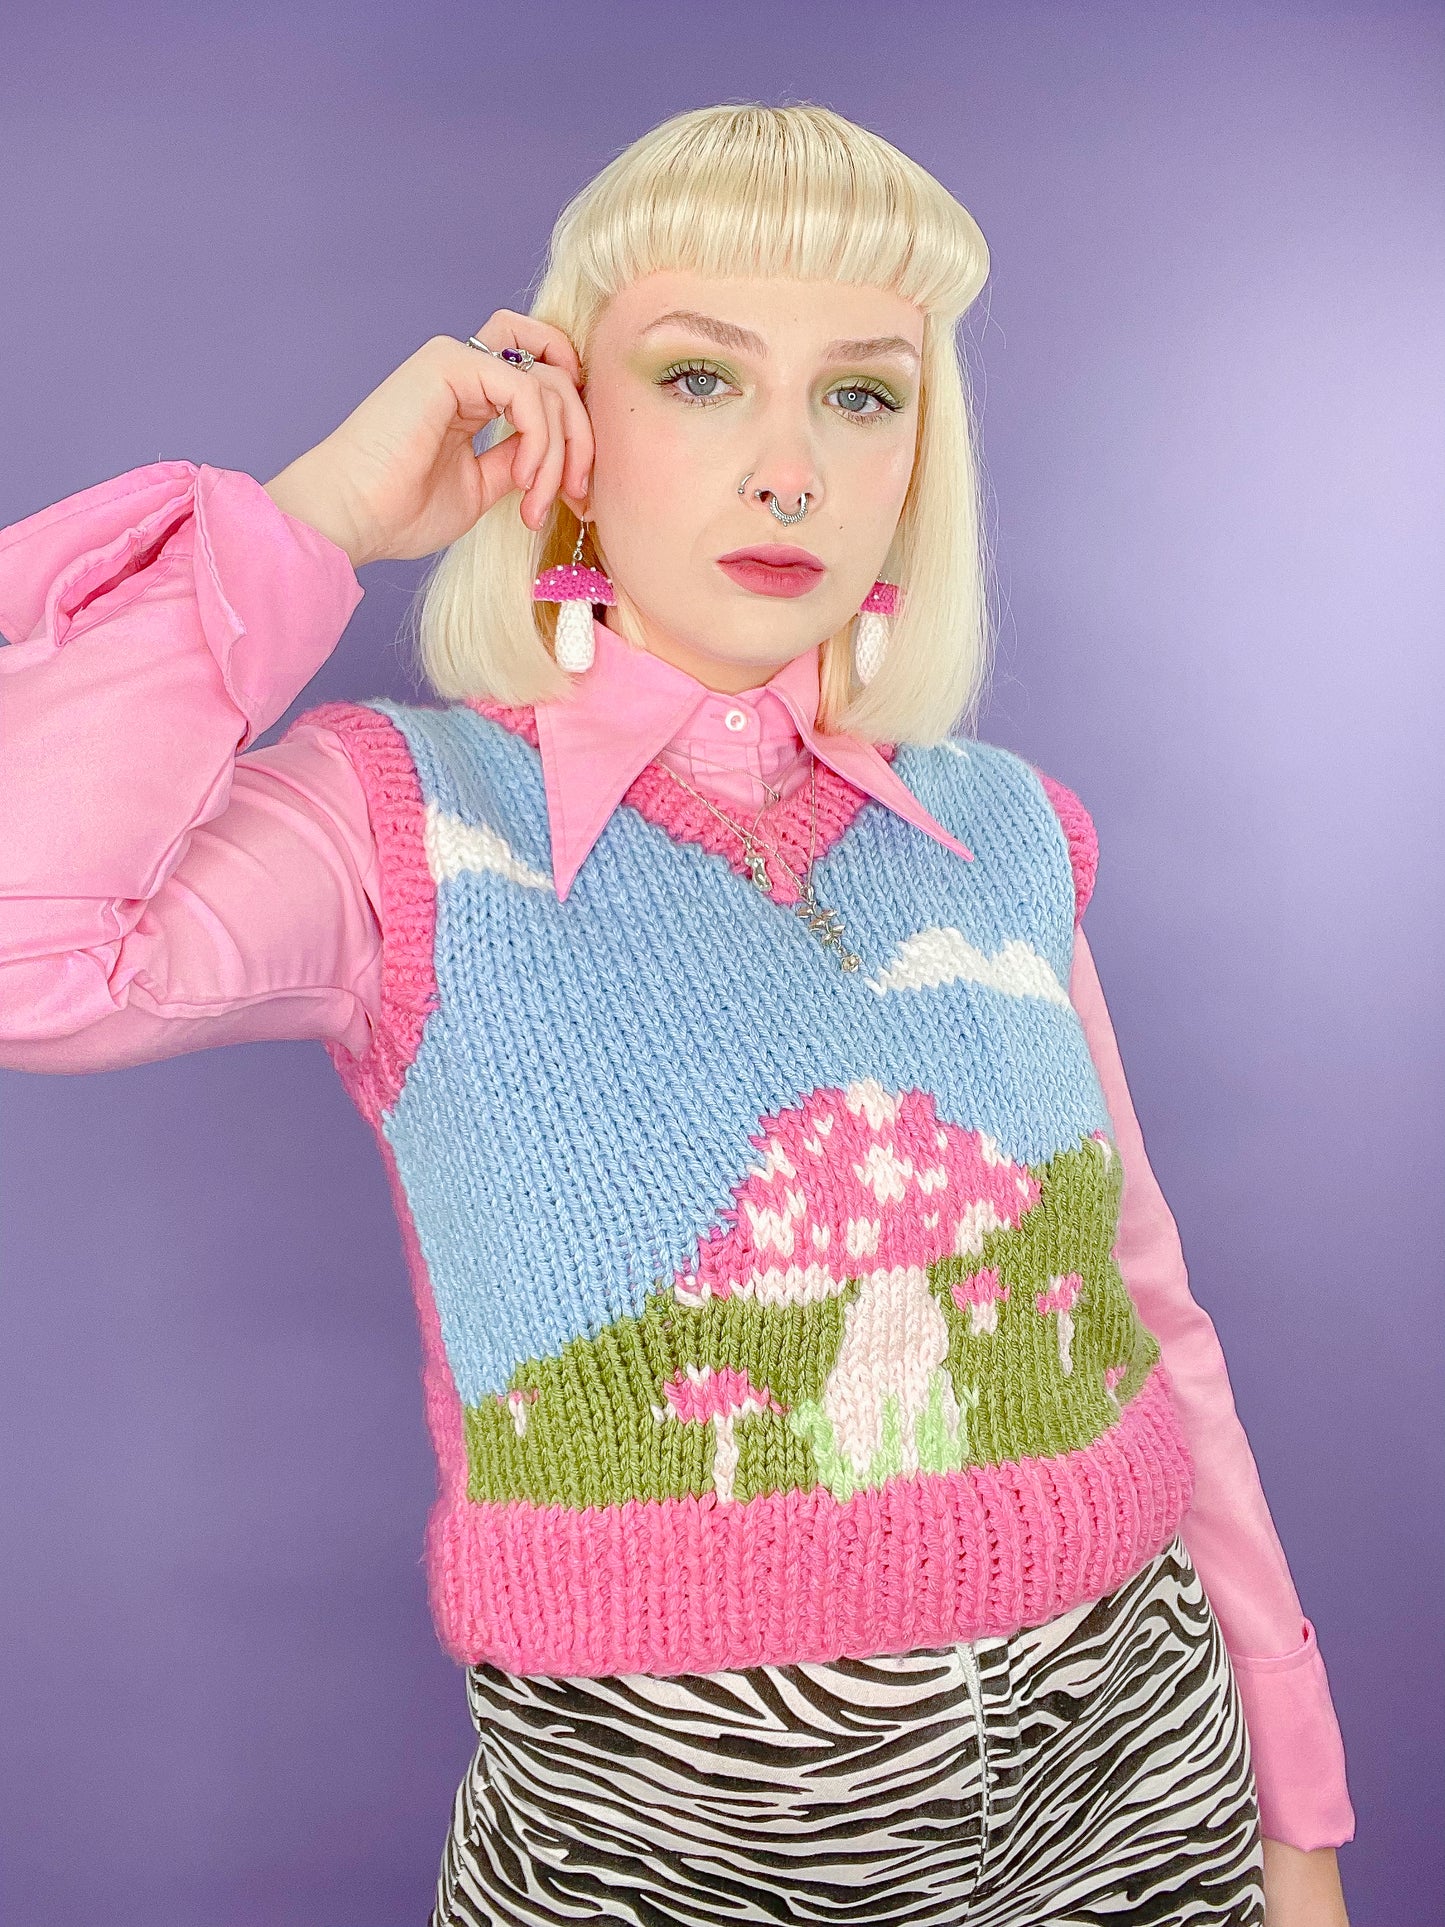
(381, 759)
(409, 995)
(1083, 841)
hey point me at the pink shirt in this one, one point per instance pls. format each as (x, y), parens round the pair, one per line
(165, 887)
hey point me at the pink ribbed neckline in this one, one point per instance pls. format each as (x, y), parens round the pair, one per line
(654, 795)
(598, 747)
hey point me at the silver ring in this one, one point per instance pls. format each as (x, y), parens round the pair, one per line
(788, 520)
(518, 357)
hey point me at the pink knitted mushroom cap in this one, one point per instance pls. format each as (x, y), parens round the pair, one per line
(573, 582)
(881, 600)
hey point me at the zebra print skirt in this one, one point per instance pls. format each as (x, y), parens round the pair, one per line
(1093, 1769)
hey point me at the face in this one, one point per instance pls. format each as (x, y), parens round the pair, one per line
(693, 383)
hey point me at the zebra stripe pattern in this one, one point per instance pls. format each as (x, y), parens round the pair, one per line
(1093, 1769)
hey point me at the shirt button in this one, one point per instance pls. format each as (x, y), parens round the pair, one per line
(736, 719)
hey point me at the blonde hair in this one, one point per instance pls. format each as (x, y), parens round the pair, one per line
(747, 189)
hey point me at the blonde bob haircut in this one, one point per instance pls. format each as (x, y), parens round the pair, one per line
(748, 189)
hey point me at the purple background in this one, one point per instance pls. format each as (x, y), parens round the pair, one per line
(1212, 418)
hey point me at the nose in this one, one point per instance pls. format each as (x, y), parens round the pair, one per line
(786, 470)
(793, 499)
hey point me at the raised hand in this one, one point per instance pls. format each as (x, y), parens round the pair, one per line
(400, 478)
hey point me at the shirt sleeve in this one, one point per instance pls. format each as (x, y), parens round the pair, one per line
(1295, 1740)
(162, 888)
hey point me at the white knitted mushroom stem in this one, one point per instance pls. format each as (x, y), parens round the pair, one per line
(725, 1455)
(1066, 1338)
(870, 644)
(575, 640)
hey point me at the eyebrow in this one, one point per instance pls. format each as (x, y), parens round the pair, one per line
(728, 335)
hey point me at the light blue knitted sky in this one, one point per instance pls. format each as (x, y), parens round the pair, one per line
(581, 1106)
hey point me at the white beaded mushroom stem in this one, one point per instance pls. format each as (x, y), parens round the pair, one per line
(575, 639)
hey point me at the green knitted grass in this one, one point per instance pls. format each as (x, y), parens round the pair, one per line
(590, 1436)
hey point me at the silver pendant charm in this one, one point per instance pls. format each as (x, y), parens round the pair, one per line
(827, 926)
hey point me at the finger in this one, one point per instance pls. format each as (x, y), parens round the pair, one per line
(577, 426)
(495, 467)
(581, 447)
(543, 489)
(484, 387)
(508, 329)
(493, 388)
(526, 408)
(507, 467)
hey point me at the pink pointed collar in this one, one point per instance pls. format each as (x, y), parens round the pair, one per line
(630, 704)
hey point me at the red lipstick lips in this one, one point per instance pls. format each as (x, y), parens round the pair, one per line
(773, 569)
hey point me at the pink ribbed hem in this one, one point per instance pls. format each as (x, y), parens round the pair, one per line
(692, 1586)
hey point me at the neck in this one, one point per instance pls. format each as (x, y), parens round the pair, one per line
(722, 676)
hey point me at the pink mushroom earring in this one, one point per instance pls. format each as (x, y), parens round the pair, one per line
(576, 587)
(871, 632)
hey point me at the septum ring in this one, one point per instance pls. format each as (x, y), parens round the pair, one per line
(786, 520)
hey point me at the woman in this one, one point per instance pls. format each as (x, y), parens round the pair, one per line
(843, 1512)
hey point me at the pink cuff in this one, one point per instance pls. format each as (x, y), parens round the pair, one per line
(1299, 1757)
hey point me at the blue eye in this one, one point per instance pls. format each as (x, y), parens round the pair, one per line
(697, 385)
(856, 395)
(689, 372)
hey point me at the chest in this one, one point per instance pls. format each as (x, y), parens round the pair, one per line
(612, 1084)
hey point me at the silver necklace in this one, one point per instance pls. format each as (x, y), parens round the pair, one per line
(826, 925)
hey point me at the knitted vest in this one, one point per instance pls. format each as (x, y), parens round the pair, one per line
(769, 1310)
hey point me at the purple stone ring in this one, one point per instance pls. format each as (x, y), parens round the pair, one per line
(519, 357)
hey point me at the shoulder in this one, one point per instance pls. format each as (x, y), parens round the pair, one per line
(372, 736)
(365, 729)
(972, 768)
(423, 763)
(411, 746)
